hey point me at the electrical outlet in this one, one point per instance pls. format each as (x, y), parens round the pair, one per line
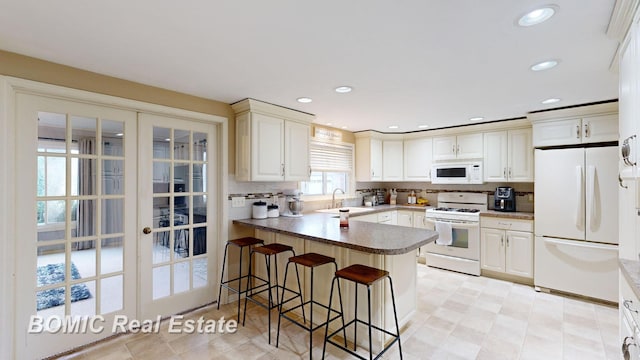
(237, 201)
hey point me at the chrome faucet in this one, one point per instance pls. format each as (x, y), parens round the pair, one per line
(333, 197)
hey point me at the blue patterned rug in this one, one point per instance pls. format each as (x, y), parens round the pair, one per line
(54, 274)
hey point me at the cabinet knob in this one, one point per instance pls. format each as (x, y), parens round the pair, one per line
(146, 230)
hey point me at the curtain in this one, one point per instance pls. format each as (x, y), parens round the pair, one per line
(86, 212)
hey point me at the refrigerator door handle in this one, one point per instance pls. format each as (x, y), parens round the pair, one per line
(580, 197)
(593, 206)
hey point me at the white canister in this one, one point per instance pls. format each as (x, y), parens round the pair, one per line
(273, 211)
(259, 210)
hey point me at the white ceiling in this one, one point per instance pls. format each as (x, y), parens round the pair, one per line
(410, 62)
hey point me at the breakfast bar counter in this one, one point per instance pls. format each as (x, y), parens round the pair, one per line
(387, 247)
(363, 236)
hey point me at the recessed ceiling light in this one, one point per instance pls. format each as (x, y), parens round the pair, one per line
(477, 118)
(304, 100)
(393, 126)
(119, 134)
(423, 126)
(550, 101)
(537, 16)
(343, 89)
(344, 127)
(544, 65)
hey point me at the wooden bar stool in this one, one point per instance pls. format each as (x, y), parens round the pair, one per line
(240, 243)
(310, 260)
(364, 275)
(268, 251)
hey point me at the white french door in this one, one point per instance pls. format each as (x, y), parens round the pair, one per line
(76, 220)
(176, 173)
(89, 180)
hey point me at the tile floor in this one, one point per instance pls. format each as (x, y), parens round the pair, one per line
(458, 317)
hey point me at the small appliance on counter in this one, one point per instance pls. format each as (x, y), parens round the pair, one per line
(259, 210)
(292, 203)
(505, 199)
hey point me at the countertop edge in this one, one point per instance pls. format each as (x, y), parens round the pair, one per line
(346, 245)
(629, 267)
(508, 215)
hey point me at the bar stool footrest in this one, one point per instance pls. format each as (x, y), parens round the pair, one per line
(396, 338)
(310, 327)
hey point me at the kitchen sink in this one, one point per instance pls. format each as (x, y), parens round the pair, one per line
(352, 210)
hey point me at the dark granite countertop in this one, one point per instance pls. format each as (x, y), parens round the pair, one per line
(363, 236)
(631, 271)
(508, 215)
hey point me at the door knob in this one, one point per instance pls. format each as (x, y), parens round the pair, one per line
(147, 230)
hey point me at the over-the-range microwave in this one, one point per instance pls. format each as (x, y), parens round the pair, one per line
(457, 173)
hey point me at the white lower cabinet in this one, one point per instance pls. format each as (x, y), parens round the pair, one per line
(506, 246)
(405, 218)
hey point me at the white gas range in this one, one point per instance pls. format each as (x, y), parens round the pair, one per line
(457, 221)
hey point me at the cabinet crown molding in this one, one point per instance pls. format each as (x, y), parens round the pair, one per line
(621, 18)
(265, 108)
(580, 111)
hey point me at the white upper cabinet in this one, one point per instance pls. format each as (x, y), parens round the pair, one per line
(368, 159)
(267, 148)
(495, 156)
(272, 143)
(467, 146)
(392, 153)
(418, 156)
(508, 156)
(296, 150)
(582, 125)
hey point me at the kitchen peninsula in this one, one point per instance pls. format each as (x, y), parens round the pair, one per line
(388, 247)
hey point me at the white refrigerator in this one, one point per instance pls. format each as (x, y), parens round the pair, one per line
(576, 221)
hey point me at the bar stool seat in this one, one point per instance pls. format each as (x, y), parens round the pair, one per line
(241, 243)
(268, 251)
(367, 276)
(310, 260)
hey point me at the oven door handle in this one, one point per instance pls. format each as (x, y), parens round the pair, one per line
(456, 224)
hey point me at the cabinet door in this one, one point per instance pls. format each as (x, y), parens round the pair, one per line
(469, 146)
(296, 150)
(267, 148)
(557, 132)
(418, 220)
(492, 249)
(368, 159)
(444, 148)
(392, 151)
(600, 128)
(495, 156)
(405, 218)
(520, 152)
(418, 156)
(376, 159)
(519, 253)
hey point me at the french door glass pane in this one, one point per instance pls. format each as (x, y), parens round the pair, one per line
(112, 176)
(112, 138)
(112, 255)
(83, 256)
(111, 298)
